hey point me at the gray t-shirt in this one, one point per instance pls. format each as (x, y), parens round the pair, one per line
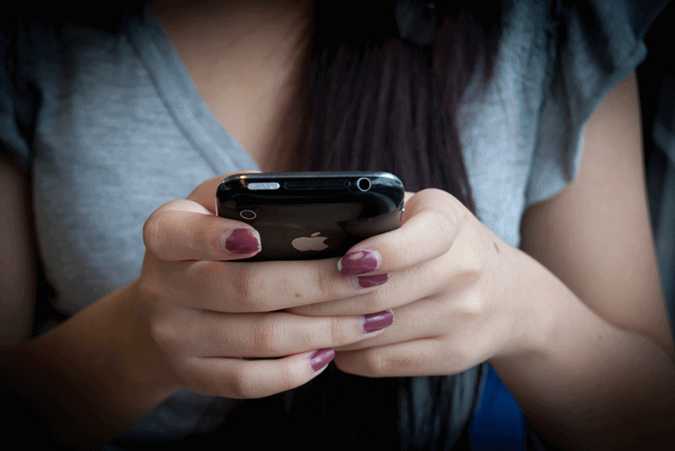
(112, 127)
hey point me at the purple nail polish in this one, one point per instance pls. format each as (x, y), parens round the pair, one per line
(359, 262)
(321, 358)
(242, 241)
(372, 281)
(377, 321)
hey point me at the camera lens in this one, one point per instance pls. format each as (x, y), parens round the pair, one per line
(363, 184)
(248, 215)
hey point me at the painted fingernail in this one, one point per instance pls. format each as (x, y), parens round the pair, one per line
(372, 281)
(242, 241)
(321, 358)
(377, 321)
(359, 262)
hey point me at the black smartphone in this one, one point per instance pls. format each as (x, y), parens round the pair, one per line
(309, 215)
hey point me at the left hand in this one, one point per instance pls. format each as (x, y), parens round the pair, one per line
(448, 288)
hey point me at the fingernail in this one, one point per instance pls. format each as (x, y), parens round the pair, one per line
(372, 281)
(377, 321)
(242, 241)
(359, 262)
(321, 358)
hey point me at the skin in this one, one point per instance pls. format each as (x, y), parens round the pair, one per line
(574, 321)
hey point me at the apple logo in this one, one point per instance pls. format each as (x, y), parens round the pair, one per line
(314, 242)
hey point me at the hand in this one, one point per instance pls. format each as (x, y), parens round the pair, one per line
(448, 283)
(205, 314)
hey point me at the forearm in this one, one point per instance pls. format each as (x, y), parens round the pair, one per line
(587, 384)
(91, 377)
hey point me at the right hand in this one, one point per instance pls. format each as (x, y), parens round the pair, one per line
(205, 314)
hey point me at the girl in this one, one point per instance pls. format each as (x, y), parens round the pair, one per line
(525, 242)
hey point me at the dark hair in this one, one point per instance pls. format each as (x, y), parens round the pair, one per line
(371, 100)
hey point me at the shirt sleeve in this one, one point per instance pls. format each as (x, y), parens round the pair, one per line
(13, 138)
(594, 44)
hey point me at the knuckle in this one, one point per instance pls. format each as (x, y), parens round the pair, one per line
(473, 306)
(376, 364)
(245, 286)
(337, 333)
(456, 214)
(242, 386)
(441, 195)
(472, 264)
(267, 337)
(408, 363)
(468, 257)
(430, 195)
(164, 334)
(432, 192)
(186, 377)
(323, 283)
(439, 223)
(149, 290)
(284, 289)
(289, 377)
(396, 364)
(458, 357)
(305, 338)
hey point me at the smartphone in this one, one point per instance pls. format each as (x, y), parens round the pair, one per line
(311, 215)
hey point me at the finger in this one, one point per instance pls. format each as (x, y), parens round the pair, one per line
(252, 287)
(426, 318)
(424, 357)
(426, 280)
(247, 379)
(429, 226)
(212, 334)
(185, 230)
(205, 193)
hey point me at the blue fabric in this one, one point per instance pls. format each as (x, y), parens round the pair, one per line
(498, 423)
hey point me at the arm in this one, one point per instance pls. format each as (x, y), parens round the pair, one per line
(583, 344)
(17, 278)
(193, 319)
(62, 377)
(87, 390)
(604, 377)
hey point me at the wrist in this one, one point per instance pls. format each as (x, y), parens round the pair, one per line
(529, 309)
(97, 372)
(145, 364)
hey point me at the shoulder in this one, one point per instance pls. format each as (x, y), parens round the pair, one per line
(594, 45)
(522, 134)
(52, 66)
(53, 46)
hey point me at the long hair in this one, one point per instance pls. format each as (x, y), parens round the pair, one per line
(372, 100)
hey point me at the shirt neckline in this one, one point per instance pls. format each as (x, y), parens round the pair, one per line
(181, 97)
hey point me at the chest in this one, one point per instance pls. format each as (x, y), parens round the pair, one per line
(122, 132)
(249, 84)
